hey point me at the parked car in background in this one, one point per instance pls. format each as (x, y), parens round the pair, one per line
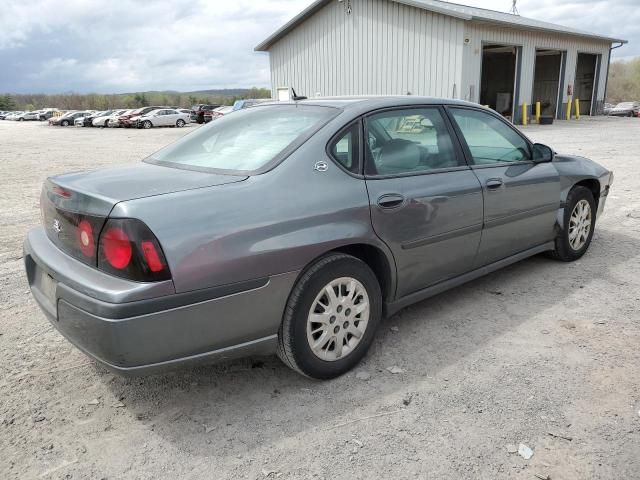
(131, 119)
(14, 116)
(606, 109)
(112, 120)
(30, 116)
(203, 113)
(625, 109)
(88, 121)
(249, 102)
(295, 226)
(47, 113)
(165, 117)
(68, 118)
(221, 112)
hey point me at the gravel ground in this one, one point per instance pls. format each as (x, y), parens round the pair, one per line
(539, 348)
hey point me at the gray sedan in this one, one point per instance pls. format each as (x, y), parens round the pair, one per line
(295, 227)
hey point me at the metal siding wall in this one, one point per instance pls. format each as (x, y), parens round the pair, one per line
(530, 41)
(382, 48)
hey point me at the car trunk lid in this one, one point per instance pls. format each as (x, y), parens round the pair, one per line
(75, 206)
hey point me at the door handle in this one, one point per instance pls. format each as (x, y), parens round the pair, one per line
(390, 201)
(494, 183)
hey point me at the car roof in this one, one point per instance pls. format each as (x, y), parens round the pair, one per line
(375, 102)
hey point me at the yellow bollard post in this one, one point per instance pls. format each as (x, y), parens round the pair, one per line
(538, 113)
(577, 109)
(569, 108)
(524, 114)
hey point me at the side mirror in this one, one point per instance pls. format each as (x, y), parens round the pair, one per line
(542, 153)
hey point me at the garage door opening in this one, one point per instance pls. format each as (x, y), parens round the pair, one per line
(497, 84)
(585, 84)
(546, 82)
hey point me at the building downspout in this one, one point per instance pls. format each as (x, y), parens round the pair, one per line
(606, 82)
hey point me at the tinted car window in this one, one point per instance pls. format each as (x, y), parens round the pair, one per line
(345, 148)
(490, 140)
(247, 140)
(408, 141)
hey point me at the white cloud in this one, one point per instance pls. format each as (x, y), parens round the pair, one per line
(130, 45)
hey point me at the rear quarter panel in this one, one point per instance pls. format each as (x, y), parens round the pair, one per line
(273, 223)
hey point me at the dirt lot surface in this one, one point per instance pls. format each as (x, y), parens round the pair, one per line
(542, 353)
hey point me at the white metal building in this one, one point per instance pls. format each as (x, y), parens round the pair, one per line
(440, 49)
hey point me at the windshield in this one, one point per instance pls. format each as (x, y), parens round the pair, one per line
(625, 105)
(246, 141)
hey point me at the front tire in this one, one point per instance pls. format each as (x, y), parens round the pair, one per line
(579, 225)
(331, 317)
(64, 123)
(147, 124)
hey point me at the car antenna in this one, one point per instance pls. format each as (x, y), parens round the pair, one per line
(296, 97)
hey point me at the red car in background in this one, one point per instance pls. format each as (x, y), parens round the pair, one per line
(130, 119)
(203, 113)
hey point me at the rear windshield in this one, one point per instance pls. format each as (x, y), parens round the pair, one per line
(247, 141)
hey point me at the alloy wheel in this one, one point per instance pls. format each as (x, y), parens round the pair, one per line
(580, 225)
(338, 319)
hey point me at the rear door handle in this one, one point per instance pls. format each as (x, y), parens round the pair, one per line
(494, 183)
(390, 201)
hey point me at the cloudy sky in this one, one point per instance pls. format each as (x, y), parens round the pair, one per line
(105, 46)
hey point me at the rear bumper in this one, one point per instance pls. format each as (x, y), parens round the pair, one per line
(151, 335)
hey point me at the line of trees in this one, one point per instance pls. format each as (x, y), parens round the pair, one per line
(624, 81)
(73, 101)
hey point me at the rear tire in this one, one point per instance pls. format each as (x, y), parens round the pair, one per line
(579, 225)
(180, 123)
(325, 335)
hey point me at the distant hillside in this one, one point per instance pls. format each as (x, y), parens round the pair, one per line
(95, 101)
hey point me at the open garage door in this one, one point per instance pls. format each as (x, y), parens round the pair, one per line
(498, 79)
(586, 82)
(546, 82)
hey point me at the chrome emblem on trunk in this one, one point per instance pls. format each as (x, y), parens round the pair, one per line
(56, 226)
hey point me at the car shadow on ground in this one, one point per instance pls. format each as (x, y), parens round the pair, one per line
(251, 400)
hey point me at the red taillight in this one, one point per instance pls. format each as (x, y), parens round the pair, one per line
(86, 241)
(128, 249)
(116, 247)
(61, 191)
(152, 257)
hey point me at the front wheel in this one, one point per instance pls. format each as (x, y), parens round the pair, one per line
(64, 123)
(147, 124)
(331, 317)
(180, 123)
(579, 224)
(21, 119)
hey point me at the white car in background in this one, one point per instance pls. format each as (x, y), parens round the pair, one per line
(164, 117)
(13, 116)
(112, 120)
(35, 115)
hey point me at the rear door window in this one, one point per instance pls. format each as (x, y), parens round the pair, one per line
(408, 141)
